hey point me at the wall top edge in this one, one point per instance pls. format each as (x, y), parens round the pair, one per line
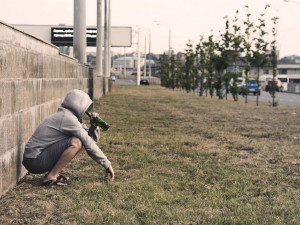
(43, 41)
(16, 29)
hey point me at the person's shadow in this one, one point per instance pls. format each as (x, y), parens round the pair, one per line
(32, 179)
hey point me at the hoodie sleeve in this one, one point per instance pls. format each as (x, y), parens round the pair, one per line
(93, 131)
(71, 126)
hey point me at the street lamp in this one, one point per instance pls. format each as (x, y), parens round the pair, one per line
(149, 47)
(138, 75)
(144, 52)
(107, 38)
(159, 23)
(99, 68)
(79, 39)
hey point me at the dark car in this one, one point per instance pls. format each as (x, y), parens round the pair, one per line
(145, 81)
(269, 85)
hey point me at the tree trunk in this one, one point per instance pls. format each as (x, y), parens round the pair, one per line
(258, 87)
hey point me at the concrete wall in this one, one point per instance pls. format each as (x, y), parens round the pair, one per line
(34, 78)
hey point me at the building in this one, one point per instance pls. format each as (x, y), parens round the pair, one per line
(289, 75)
(128, 62)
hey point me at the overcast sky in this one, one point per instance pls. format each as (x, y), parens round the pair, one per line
(188, 19)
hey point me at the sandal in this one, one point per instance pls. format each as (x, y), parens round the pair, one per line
(62, 177)
(53, 182)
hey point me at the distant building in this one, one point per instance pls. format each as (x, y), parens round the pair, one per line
(130, 62)
(289, 75)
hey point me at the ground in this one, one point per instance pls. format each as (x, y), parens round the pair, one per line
(179, 159)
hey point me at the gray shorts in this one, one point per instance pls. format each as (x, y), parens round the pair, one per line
(48, 158)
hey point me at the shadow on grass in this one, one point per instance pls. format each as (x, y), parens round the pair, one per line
(31, 179)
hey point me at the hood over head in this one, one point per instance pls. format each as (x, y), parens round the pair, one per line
(77, 102)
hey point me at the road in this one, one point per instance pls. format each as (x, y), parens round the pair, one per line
(124, 82)
(282, 97)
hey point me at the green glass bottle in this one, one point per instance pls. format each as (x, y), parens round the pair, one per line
(99, 122)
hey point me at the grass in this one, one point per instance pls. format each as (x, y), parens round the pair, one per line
(179, 159)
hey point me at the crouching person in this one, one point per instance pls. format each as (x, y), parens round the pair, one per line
(60, 137)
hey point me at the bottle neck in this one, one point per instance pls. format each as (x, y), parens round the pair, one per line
(88, 113)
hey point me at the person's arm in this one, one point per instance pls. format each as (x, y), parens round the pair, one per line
(111, 172)
(94, 130)
(72, 127)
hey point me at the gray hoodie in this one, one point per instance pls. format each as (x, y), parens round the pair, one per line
(65, 123)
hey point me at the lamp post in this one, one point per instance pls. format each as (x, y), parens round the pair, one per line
(149, 61)
(105, 39)
(99, 68)
(124, 62)
(149, 54)
(165, 24)
(145, 64)
(159, 23)
(109, 39)
(107, 36)
(139, 29)
(138, 75)
(79, 39)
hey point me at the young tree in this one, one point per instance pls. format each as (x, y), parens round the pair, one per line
(172, 71)
(201, 60)
(189, 67)
(220, 65)
(260, 53)
(164, 70)
(195, 75)
(247, 44)
(236, 49)
(179, 72)
(222, 62)
(210, 48)
(273, 59)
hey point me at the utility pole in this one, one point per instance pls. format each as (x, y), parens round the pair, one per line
(149, 54)
(145, 28)
(109, 39)
(145, 62)
(99, 68)
(105, 68)
(170, 48)
(125, 61)
(138, 77)
(167, 25)
(79, 37)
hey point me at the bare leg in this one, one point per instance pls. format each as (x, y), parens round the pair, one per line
(64, 159)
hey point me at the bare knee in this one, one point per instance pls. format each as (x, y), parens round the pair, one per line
(76, 143)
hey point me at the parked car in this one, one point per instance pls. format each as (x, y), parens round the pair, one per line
(270, 83)
(145, 81)
(251, 87)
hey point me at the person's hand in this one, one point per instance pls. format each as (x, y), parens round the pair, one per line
(94, 114)
(111, 172)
